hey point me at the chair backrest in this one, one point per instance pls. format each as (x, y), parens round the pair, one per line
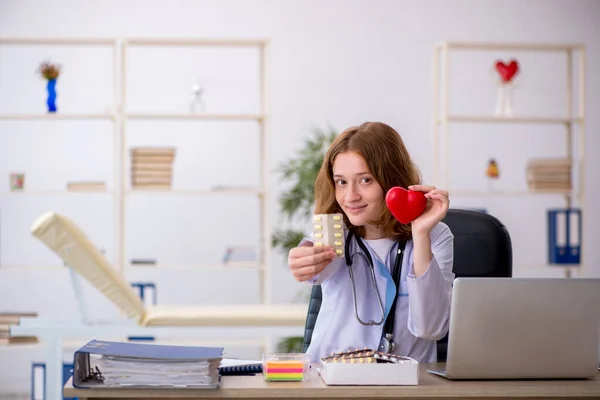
(482, 248)
(68, 241)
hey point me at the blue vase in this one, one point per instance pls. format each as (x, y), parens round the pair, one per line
(51, 87)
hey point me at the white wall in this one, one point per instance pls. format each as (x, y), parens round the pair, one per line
(331, 62)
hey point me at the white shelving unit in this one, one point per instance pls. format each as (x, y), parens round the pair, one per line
(111, 116)
(263, 266)
(120, 116)
(262, 337)
(572, 120)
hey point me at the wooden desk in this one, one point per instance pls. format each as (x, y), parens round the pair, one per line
(430, 387)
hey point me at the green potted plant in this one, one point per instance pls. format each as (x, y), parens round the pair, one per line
(298, 202)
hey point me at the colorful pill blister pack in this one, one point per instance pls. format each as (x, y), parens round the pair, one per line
(328, 229)
(365, 356)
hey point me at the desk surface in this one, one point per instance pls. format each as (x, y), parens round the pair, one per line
(430, 387)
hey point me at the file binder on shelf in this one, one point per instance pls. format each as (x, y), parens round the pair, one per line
(147, 293)
(104, 364)
(564, 236)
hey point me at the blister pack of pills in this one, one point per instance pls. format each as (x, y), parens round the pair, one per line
(328, 229)
(362, 356)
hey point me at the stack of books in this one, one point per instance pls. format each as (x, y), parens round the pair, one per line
(152, 167)
(549, 174)
(8, 319)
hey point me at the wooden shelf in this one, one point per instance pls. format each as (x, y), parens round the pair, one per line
(506, 120)
(507, 46)
(58, 41)
(56, 116)
(38, 267)
(220, 192)
(199, 116)
(195, 42)
(173, 267)
(183, 267)
(26, 267)
(507, 193)
(52, 192)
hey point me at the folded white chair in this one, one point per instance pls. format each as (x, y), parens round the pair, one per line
(65, 238)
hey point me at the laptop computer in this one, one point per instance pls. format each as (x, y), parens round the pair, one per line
(523, 328)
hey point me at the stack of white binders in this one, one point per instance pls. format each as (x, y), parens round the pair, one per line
(102, 364)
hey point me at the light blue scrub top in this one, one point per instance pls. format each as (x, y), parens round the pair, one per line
(422, 309)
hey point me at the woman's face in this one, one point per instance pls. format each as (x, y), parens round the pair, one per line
(357, 192)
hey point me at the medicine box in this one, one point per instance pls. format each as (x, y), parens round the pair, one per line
(405, 373)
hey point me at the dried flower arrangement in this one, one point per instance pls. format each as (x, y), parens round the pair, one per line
(49, 71)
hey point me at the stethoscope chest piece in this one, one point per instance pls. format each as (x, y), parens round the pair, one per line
(387, 344)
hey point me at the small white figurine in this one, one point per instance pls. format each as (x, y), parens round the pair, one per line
(196, 99)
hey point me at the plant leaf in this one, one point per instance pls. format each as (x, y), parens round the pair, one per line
(301, 171)
(287, 239)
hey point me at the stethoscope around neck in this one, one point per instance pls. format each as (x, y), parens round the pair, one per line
(369, 260)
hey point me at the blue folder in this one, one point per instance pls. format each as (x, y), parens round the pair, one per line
(85, 375)
(564, 236)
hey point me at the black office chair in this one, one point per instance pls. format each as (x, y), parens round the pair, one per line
(482, 248)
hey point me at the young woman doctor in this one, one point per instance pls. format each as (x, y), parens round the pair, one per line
(361, 165)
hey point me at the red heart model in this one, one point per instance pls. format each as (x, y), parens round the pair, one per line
(507, 71)
(405, 205)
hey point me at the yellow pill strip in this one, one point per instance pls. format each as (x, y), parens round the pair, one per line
(328, 229)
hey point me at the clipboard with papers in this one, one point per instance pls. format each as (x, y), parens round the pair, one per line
(105, 364)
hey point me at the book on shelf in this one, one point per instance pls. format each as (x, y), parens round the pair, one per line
(153, 151)
(150, 186)
(164, 161)
(8, 319)
(564, 236)
(558, 186)
(143, 261)
(14, 317)
(8, 340)
(107, 364)
(549, 174)
(151, 180)
(86, 186)
(143, 173)
(152, 166)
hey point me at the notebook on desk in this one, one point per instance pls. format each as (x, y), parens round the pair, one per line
(105, 364)
(234, 366)
(523, 328)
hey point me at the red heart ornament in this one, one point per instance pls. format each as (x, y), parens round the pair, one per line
(405, 205)
(507, 72)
